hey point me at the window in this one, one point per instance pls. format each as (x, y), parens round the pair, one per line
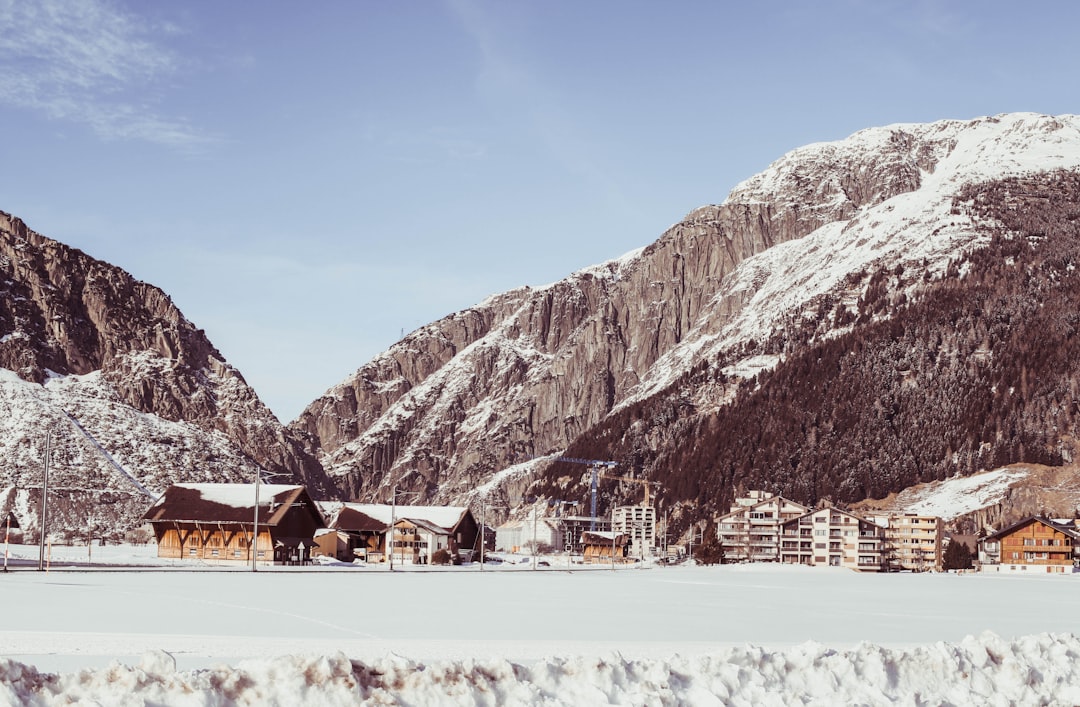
(192, 552)
(1028, 542)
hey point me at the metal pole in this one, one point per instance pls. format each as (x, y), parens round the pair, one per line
(255, 525)
(534, 536)
(393, 521)
(7, 541)
(483, 521)
(44, 501)
(614, 535)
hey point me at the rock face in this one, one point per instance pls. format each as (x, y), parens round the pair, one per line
(94, 354)
(530, 371)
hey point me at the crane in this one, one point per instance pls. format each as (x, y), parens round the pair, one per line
(643, 482)
(596, 465)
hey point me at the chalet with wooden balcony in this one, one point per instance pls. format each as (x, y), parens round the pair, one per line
(1034, 544)
(831, 537)
(217, 523)
(418, 531)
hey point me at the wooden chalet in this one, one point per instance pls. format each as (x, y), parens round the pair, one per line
(216, 522)
(604, 547)
(425, 530)
(1033, 544)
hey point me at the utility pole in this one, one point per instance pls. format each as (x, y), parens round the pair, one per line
(255, 524)
(7, 540)
(393, 522)
(44, 501)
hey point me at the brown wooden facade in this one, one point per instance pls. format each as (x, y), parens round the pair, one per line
(602, 547)
(1037, 543)
(191, 523)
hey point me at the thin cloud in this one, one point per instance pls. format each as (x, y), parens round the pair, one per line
(81, 61)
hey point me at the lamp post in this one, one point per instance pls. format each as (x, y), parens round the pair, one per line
(483, 528)
(44, 501)
(255, 524)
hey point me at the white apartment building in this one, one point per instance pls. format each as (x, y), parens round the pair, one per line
(835, 538)
(912, 541)
(750, 531)
(638, 522)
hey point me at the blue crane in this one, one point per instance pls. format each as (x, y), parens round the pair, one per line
(596, 465)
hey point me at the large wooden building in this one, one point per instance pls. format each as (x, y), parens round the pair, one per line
(216, 523)
(1032, 545)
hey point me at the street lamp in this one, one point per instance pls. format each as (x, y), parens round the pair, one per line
(44, 501)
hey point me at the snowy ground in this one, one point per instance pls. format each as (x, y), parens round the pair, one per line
(661, 635)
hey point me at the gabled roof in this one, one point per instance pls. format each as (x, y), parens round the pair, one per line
(377, 516)
(1067, 529)
(763, 502)
(424, 525)
(604, 537)
(230, 503)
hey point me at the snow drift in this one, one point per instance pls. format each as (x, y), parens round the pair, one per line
(1039, 669)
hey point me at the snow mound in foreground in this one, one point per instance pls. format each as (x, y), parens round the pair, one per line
(988, 670)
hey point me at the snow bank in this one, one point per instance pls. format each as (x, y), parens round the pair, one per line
(988, 670)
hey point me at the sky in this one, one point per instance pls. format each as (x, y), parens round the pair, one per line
(311, 181)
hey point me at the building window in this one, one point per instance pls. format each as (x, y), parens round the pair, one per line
(192, 552)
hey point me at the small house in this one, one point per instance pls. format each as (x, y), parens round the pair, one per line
(1032, 545)
(217, 523)
(604, 546)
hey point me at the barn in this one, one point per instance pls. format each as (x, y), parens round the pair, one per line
(216, 523)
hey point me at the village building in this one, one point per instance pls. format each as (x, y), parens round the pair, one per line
(418, 531)
(913, 542)
(834, 538)
(529, 533)
(639, 524)
(604, 547)
(1032, 545)
(217, 523)
(750, 531)
(574, 526)
(332, 543)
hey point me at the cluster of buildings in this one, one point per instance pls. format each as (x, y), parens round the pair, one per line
(762, 527)
(281, 524)
(219, 522)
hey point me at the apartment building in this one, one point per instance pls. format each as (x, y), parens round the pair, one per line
(750, 531)
(835, 538)
(639, 523)
(912, 542)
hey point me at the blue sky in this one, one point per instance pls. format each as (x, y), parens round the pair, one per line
(310, 180)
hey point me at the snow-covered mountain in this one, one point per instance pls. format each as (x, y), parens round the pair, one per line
(133, 395)
(609, 362)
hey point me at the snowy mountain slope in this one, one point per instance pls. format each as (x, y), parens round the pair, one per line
(103, 360)
(528, 372)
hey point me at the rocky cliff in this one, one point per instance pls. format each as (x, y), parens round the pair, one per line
(456, 404)
(111, 367)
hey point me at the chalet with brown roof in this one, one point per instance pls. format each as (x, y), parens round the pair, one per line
(419, 531)
(1032, 545)
(216, 523)
(600, 547)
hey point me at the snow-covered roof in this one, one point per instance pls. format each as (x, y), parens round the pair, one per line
(229, 503)
(443, 516)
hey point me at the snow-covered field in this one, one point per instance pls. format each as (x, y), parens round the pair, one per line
(756, 635)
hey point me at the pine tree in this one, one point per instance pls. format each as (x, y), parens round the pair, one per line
(957, 557)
